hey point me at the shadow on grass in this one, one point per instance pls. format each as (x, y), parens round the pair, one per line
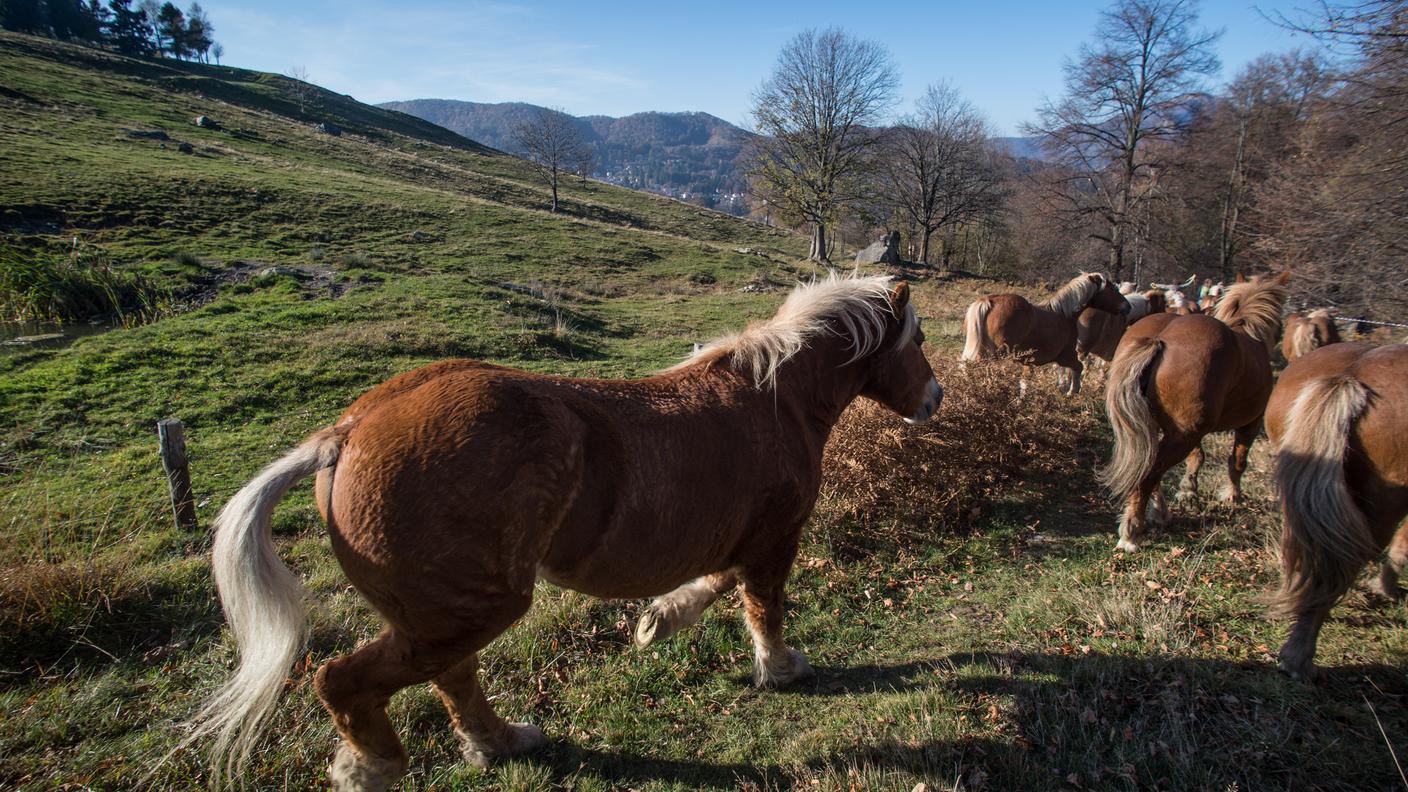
(1108, 721)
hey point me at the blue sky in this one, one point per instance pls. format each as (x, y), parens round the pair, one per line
(620, 58)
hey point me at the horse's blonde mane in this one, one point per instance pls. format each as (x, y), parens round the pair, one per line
(1072, 297)
(857, 307)
(1254, 308)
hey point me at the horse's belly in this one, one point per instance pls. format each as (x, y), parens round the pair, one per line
(634, 569)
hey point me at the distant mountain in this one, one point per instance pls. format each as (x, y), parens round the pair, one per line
(689, 156)
(1021, 147)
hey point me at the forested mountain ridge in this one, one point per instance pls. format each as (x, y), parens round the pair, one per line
(691, 156)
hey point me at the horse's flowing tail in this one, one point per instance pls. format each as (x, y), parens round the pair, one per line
(1325, 538)
(975, 327)
(1304, 338)
(1136, 432)
(263, 603)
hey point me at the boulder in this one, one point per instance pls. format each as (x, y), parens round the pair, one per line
(885, 251)
(329, 128)
(148, 134)
(186, 148)
(206, 122)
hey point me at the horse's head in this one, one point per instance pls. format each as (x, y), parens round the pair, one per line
(1108, 298)
(899, 375)
(1158, 302)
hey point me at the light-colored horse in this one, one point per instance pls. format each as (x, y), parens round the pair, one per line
(1307, 332)
(1177, 302)
(1339, 421)
(1039, 334)
(1174, 380)
(449, 490)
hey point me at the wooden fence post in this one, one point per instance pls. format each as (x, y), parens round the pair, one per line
(172, 435)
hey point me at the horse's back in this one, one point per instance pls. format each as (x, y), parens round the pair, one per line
(1209, 378)
(1020, 327)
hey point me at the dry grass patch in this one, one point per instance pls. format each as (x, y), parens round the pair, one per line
(894, 482)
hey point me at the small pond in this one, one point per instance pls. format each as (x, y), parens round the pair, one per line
(17, 336)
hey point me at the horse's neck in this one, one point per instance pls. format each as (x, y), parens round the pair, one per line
(817, 385)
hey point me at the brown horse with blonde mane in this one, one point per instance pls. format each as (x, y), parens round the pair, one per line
(1098, 333)
(1339, 420)
(1308, 332)
(1174, 380)
(1039, 334)
(448, 491)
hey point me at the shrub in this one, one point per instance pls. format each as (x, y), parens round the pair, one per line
(79, 287)
(890, 482)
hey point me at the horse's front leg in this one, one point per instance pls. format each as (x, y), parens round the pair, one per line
(672, 612)
(775, 664)
(1070, 361)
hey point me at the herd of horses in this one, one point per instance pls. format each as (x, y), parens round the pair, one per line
(448, 491)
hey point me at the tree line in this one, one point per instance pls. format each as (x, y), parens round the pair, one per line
(1146, 171)
(148, 28)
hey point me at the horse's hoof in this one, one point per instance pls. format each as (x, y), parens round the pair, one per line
(797, 668)
(1299, 671)
(1126, 546)
(652, 627)
(355, 772)
(1186, 495)
(1230, 495)
(522, 738)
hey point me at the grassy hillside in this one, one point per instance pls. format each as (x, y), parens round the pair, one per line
(957, 593)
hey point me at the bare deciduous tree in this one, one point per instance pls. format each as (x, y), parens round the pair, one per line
(813, 115)
(1124, 95)
(939, 169)
(303, 89)
(549, 139)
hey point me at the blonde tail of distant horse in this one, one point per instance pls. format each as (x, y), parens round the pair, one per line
(1304, 338)
(1136, 432)
(1325, 538)
(975, 326)
(263, 603)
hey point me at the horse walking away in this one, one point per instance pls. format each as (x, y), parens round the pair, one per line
(448, 491)
(1039, 334)
(1174, 380)
(1308, 332)
(1339, 421)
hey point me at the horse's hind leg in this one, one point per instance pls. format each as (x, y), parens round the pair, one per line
(1136, 507)
(1237, 460)
(1188, 486)
(355, 689)
(774, 663)
(1386, 585)
(484, 736)
(672, 612)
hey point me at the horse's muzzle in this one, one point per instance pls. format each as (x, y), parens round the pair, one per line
(1126, 309)
(933, 397)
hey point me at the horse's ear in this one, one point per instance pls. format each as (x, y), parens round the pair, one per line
(1284, 277)
(899, 296)
(1241, 278)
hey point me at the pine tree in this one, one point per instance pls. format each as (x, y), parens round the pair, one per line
(127, 30)
(26, 16)
(171, 27)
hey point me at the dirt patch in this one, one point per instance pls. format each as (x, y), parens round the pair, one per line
(317, 279)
